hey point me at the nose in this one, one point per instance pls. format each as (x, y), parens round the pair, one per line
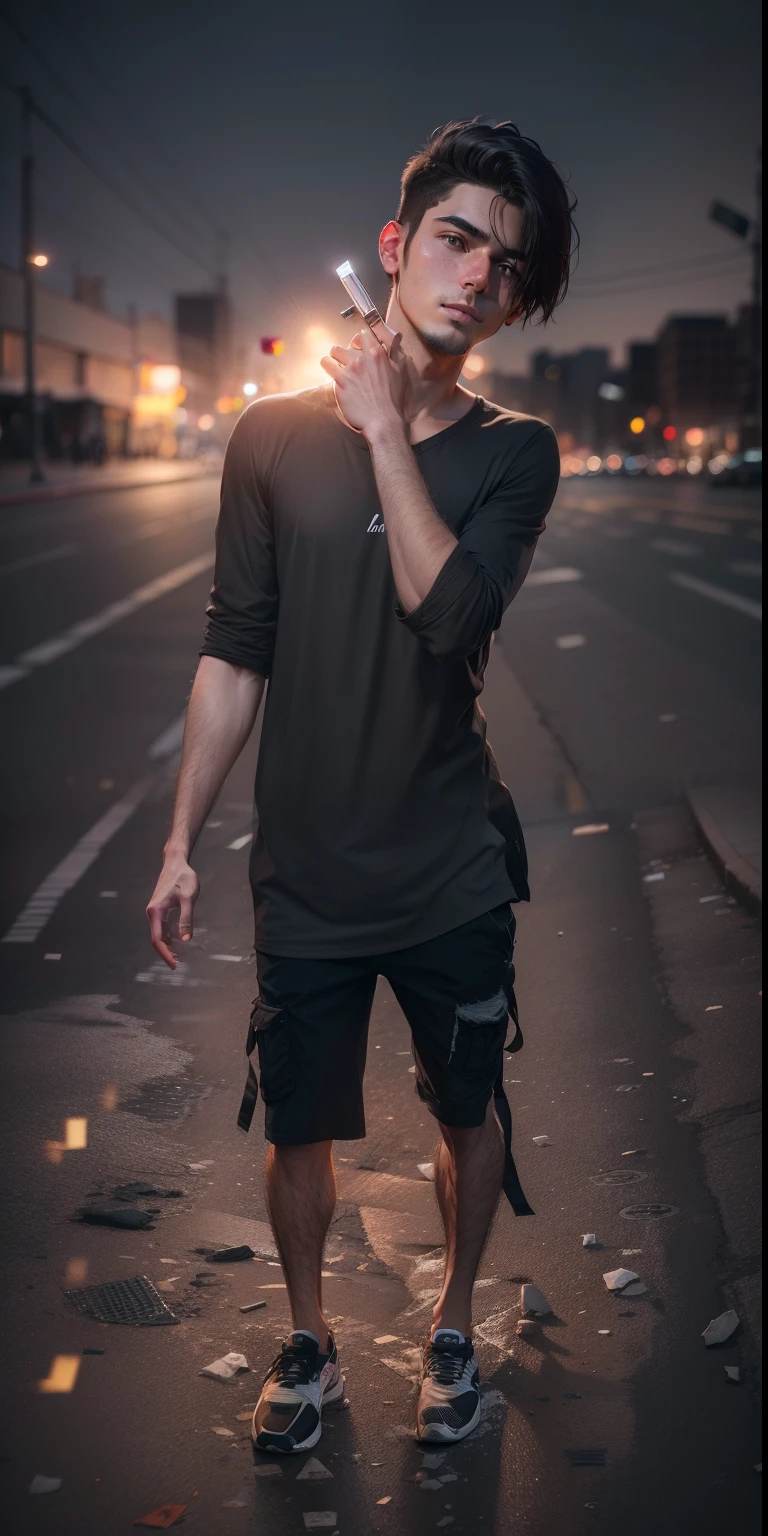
(476, 271)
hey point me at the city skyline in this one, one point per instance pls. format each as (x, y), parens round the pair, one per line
(265, 143)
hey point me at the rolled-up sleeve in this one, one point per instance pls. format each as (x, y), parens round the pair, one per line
(476, 584)
(241, 616)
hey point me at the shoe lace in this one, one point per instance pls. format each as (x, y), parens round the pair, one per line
(445, 1363)
(292, 1366)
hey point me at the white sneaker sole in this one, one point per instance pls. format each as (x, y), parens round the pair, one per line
(443, 1432)
(335, 1391)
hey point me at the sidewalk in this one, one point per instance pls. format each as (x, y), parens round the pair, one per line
(729, 819)
(80, 479)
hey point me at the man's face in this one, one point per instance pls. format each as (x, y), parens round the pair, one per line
(456, 283)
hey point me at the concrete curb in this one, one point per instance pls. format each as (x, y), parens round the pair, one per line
(60, 492)
(741, 877)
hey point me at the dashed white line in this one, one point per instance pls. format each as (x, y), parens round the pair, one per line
(553, 574)
(70, 639)
(677, 547)
(722, 595)
(44, 901)
(240, 842)
(42, 558)
(169, 740)
(570, 642)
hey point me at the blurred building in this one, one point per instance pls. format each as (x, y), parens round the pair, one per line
(642, 376)
(106, 386)
(204, 342)
(698, 371)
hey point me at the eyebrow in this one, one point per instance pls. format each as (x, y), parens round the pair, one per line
(479, 234)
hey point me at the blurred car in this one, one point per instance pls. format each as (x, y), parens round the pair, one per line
(739, 469)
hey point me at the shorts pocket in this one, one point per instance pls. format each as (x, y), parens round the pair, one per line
(479, 1032)
(270, 1033)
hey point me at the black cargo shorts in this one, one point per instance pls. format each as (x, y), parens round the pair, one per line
(308, 1035)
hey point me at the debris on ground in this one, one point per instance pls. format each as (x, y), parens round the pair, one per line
(135, 1302)
(592, 1456)
(253, 1306)
(616, 1279)
(387, 1499)
(532, 1300)
(268, 1469)
(427, 1171)
(526, 1328)
(636, 1288)
(446, 1520)
(432, 1459)
(93, 1351)
(226, 1368)
(572, 1394)
(604, 1332)
(138, 1191)
(241, 1500)
(62, 1375)
(386, 1338)
(720, 1328)
(219, 1429)
(733, 1373)
(232, 1255)
(313, 1472)
(589, 1240)
(163, 1518)
(43, 1484)
(430, 1483)
(200, 1167)
(113, 1214)
(541, 1141)
(319, 1519)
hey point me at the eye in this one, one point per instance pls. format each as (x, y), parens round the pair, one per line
(458, 243)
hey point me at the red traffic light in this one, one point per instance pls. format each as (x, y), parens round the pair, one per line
(272, 346)
(669, 434)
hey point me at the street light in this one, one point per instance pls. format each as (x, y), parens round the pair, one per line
(637, 425)
(250, 389)
(39, 260)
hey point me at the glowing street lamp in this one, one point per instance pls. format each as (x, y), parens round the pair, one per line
(250, 389)
(637, 425)
(39, 260)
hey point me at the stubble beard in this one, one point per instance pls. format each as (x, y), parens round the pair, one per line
(445, 346)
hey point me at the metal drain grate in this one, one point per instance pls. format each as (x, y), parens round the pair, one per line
(653, 1211)
(592, 1456)
(135, 1302)
(619, 1176)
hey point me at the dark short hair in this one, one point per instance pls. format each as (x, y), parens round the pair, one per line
(499, 156)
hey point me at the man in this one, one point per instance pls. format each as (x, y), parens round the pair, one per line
(386, 845)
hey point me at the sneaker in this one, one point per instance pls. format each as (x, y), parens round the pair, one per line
(449, 1399)
(288, 1414)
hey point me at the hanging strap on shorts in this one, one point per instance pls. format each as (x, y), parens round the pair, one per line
(511, 1185)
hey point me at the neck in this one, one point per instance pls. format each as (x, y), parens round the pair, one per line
(433, 378)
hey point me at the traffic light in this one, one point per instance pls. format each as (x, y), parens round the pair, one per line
(272, 346)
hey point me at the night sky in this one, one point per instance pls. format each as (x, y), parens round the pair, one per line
(288, 126)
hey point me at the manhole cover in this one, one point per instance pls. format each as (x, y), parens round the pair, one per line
(620, 1176)
(653, 1211)
(164, 1099)
(123, 1301)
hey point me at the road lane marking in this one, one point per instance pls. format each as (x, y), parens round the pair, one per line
(240, 842)
(77, 634)
(169, 740)
(570, 642)
(702, 525)
(676, 547)
(722, 595)
(553, 574)
(44, 901)
(747, 568)
(27, 561)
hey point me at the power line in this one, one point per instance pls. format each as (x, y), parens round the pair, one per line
(76, 47)
(64, 86)
(689, 263)
(672, 282)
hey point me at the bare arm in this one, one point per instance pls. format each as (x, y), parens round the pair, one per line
(222, 709)
(418, 539)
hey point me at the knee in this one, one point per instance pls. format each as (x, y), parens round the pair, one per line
(301, 1157)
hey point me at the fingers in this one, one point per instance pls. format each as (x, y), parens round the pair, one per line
(158, 928)
(335, 370)
(186, 926)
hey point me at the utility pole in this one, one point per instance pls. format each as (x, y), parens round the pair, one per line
(28, 269)
(756, 369)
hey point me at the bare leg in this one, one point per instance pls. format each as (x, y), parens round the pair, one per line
(301, 1196)
(469, 1167)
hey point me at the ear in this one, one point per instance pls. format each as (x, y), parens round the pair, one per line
(510, 320)
(391, 242)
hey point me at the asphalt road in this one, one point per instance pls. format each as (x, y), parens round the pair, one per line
(627, 667)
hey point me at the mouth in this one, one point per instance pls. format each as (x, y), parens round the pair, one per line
(461, 312)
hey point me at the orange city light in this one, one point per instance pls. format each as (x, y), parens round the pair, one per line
(694, 437)
(39, 260)
(164, 377)
(272, 346)
(224, 405)
(637, 425)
